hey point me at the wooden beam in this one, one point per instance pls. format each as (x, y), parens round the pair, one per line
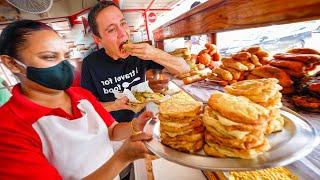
(213, 38)
(224, 15)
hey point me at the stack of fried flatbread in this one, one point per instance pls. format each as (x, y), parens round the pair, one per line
(234, 127)
(181, 126)
(265, 92)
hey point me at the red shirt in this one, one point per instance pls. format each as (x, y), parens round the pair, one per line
(21, 151)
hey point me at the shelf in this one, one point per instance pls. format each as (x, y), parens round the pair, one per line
(224, 15)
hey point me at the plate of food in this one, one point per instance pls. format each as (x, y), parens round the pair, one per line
(236, 130)
(270, 173)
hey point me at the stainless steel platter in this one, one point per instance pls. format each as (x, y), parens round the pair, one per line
(296, 140)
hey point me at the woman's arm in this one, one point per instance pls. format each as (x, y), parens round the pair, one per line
(120, 131)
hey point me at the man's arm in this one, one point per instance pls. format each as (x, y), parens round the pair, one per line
(175, 65)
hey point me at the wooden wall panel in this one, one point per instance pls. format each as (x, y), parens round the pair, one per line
(223, 15)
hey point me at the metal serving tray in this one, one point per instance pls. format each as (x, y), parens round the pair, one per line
(296, 140)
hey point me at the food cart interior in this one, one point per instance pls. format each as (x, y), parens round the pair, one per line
(224, 42)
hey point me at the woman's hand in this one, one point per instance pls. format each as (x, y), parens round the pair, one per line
(133, 148)
(139, 122)
(143, 50)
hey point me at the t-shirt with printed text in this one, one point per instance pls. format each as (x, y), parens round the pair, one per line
(102, 76)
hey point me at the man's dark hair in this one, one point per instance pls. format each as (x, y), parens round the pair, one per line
(13, 37)
(95, 10)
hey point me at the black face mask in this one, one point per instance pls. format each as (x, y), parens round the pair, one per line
(59, 77)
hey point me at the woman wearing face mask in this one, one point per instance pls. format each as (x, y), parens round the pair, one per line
(51, 131)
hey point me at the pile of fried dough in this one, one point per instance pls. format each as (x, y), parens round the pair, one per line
(235, 127)
(265, 92)
(236, 122)
(180, 123)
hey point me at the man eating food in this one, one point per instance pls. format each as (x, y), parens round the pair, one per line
(120, 64)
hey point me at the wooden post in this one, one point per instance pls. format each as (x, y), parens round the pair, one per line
(159, 45)
(213, 38)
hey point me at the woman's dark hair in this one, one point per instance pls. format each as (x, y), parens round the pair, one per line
(92, 16)
(13, 37)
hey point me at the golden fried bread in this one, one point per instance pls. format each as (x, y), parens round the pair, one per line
(261, 91)
(248, 63)
(262, 54)
(216, 150)
(180, 105)
(195, 130)
(187, 137)
(226, 75)
(242, 56)
(175, 134)
(265, 174)
(181, 119)
(185, 146)
(275, 125)
(249, 138)
(254, 49)
(267, 98)
(229, 127)
(229, 62)
(252, 87)
(274, 101)
(177, 127)
(255, 60)
(181, 127)
(214, 137)
(236, 74)
(239, 109)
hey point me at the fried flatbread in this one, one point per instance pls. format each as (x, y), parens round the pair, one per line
(214, 119)
(178, 127)
(238, 109)
(254, 87)
(185, 146)
(187, 137)
(214, 137)
(216, 150)
(180, 105)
